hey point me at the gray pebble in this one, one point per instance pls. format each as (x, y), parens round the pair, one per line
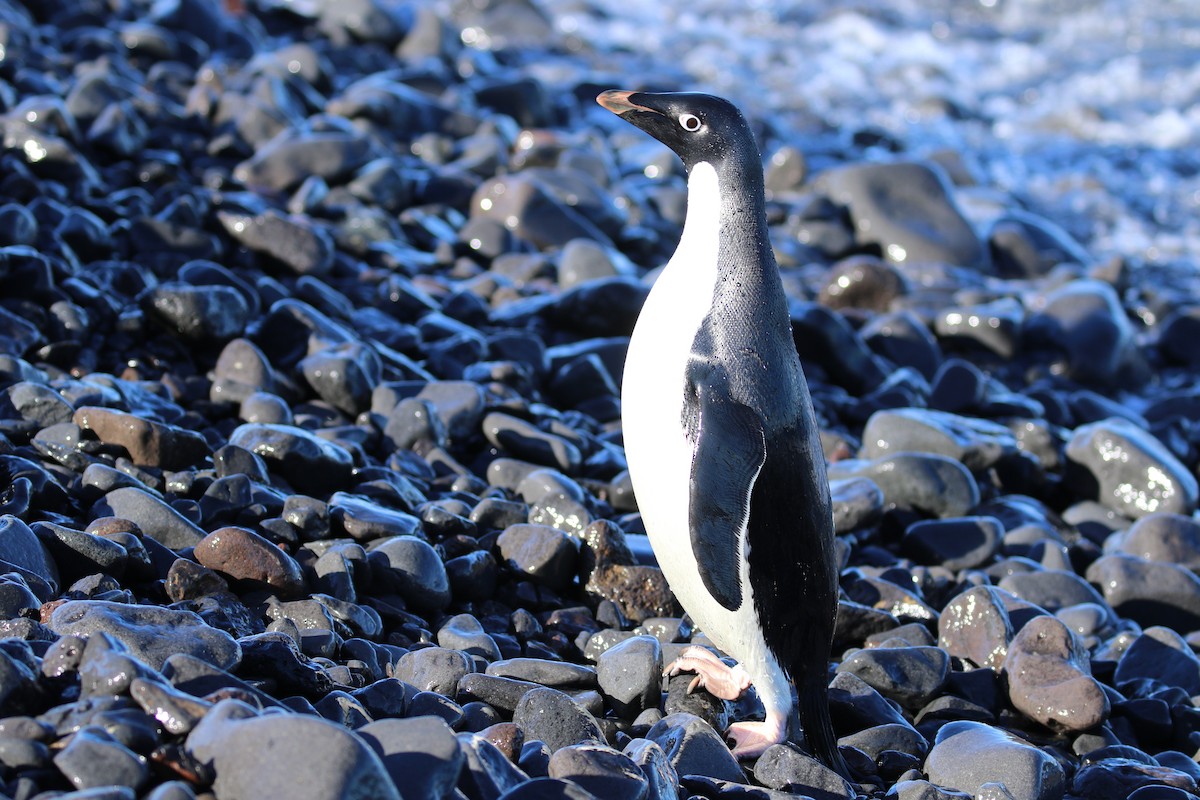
(540, 552)
(694, 748)
(956, 543)
(912, 676)
(978, 444)
(1148, 592)
(464, 632)
(905, 208)
(924, 482)
(1134, 474)
(966, 755)
(975, 626)
(151, 633)
(420, 754)
(434, 669)
(92, 758)
(272, 754)
(555, 674)
(781, 766)
(600, 770)
(554, 718)
(417, 570)
(630, 675)
(154, 517)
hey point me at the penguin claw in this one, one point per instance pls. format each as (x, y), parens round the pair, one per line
(751, 739)
(712, 673)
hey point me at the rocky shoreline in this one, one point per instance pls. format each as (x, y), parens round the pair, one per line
(311, 334)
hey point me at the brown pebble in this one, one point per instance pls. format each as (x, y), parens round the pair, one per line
(106, 526)
(48, 609)
(243, 555)
(149, 444)
(507, 737)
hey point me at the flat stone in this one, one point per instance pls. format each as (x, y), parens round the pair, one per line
(151, 633)
(967, 755)
(255, 756)
(1148, 592)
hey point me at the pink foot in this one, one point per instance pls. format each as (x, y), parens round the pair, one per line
(712, 674)
(750, 739)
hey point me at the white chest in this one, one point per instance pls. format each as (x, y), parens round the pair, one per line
(656, 446)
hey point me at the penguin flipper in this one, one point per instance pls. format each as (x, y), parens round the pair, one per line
(730, 450)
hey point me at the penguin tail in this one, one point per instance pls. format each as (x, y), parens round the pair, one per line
(813, 708)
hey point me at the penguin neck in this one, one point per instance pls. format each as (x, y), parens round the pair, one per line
(728, 199)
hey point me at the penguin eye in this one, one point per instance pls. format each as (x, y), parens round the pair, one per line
(690, 122)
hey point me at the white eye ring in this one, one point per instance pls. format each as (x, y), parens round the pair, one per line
(689, 122)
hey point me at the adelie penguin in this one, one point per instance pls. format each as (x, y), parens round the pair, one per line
(721, 438)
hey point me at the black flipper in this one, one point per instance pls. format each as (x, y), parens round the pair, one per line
(730, 449)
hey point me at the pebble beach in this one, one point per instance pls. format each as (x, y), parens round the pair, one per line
(313, 316)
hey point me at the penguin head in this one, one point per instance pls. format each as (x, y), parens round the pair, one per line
(698, 127)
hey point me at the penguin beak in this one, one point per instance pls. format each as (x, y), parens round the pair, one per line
(618, 102)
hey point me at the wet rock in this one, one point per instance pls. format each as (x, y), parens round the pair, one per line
(152, 634)
(1121, 777)
(487, 772)
(975, 626)
(694, 748)
(1162, 536)
(148, 443)
(967, 755)
(154, 518)
(600, 770)
(434, 669)
(21, 548)
(1160, 654)
(1051, 589)
(310, 464)
(976, 443)
(1049, 677)
(1085, 320)
(905, 208)
(92, 758)
(553, 717)
(545, 554)
(1130, 470)
(862, 282)
(630, 674)
(526, 441)
(420, 754)
(1148, 592)
(243, 555)
(344, 375)
(417, 570)
(783, 767)
(957, 543)
(292, 156)
(464, 632)
(912, 676)
(274, 753)
(198, 313)
(925, 482)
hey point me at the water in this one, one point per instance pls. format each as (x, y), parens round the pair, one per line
(1082, 110)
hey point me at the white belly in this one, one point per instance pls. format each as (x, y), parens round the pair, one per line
(656, 445)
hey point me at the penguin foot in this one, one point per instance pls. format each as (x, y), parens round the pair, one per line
(751, 739)
(712, 674)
